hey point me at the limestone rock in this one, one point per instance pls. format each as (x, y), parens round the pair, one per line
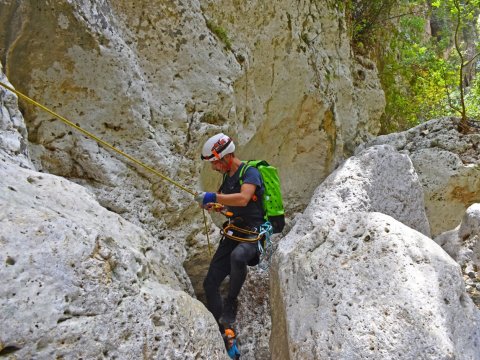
(379, 179)
(447, 164)
(463, 243)
(254, 324)
(349, 281)
(303, 101)
(13, 132)
(364, 286)
(80, 281)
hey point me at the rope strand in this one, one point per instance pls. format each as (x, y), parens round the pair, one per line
(109, 146)
(97, 139)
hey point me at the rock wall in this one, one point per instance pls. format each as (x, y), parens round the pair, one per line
(156, 79)
(79, 281)
(463, 245)
(302, 101)
(13, 144)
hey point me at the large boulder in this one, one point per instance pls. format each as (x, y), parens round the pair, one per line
(365, 286)
(447, 164)
(357, 277)
(79, 281)
(379, 179)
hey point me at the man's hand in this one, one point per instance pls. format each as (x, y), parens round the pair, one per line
(204, 198)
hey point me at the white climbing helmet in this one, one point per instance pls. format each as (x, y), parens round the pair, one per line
(217, 147)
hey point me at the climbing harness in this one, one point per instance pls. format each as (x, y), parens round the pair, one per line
(111, 147)
(262, 237)
(250, 236)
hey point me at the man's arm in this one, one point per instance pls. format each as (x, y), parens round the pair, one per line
(238, 199)
(252, 180)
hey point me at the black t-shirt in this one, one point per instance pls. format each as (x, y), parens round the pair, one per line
(253, 213)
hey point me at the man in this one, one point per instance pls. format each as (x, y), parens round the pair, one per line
(244, 201)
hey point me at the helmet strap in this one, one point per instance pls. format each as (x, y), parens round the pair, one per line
(216, 154)
(230, 163)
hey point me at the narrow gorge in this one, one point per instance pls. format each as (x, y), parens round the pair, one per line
(102, 259)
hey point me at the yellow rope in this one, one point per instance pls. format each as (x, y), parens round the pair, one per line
(97, 139)
(206, 231)
(109, 146)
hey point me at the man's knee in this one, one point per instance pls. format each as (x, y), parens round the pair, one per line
(239, 256)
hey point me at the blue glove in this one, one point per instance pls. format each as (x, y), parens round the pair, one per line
(204, 198)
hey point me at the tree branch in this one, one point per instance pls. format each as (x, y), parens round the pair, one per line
(473, 58)
(460, 73)
(402, 15)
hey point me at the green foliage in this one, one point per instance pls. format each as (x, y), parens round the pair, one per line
(424, 75)
(412, 77)
(221, 33)
(464, 15)
(366, 18)
(472, 99)
(421, 74)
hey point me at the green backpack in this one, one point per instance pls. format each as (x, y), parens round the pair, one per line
(272, 196)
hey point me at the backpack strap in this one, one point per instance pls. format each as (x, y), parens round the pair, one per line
(249, 164)
(242, 171)
(223, 182)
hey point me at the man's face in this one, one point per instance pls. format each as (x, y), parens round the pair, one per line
(220, 165)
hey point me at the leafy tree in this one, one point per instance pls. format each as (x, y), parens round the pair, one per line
(412, 74)
(424, 75)
(463, 14)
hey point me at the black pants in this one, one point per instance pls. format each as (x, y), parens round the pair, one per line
(231, 258)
